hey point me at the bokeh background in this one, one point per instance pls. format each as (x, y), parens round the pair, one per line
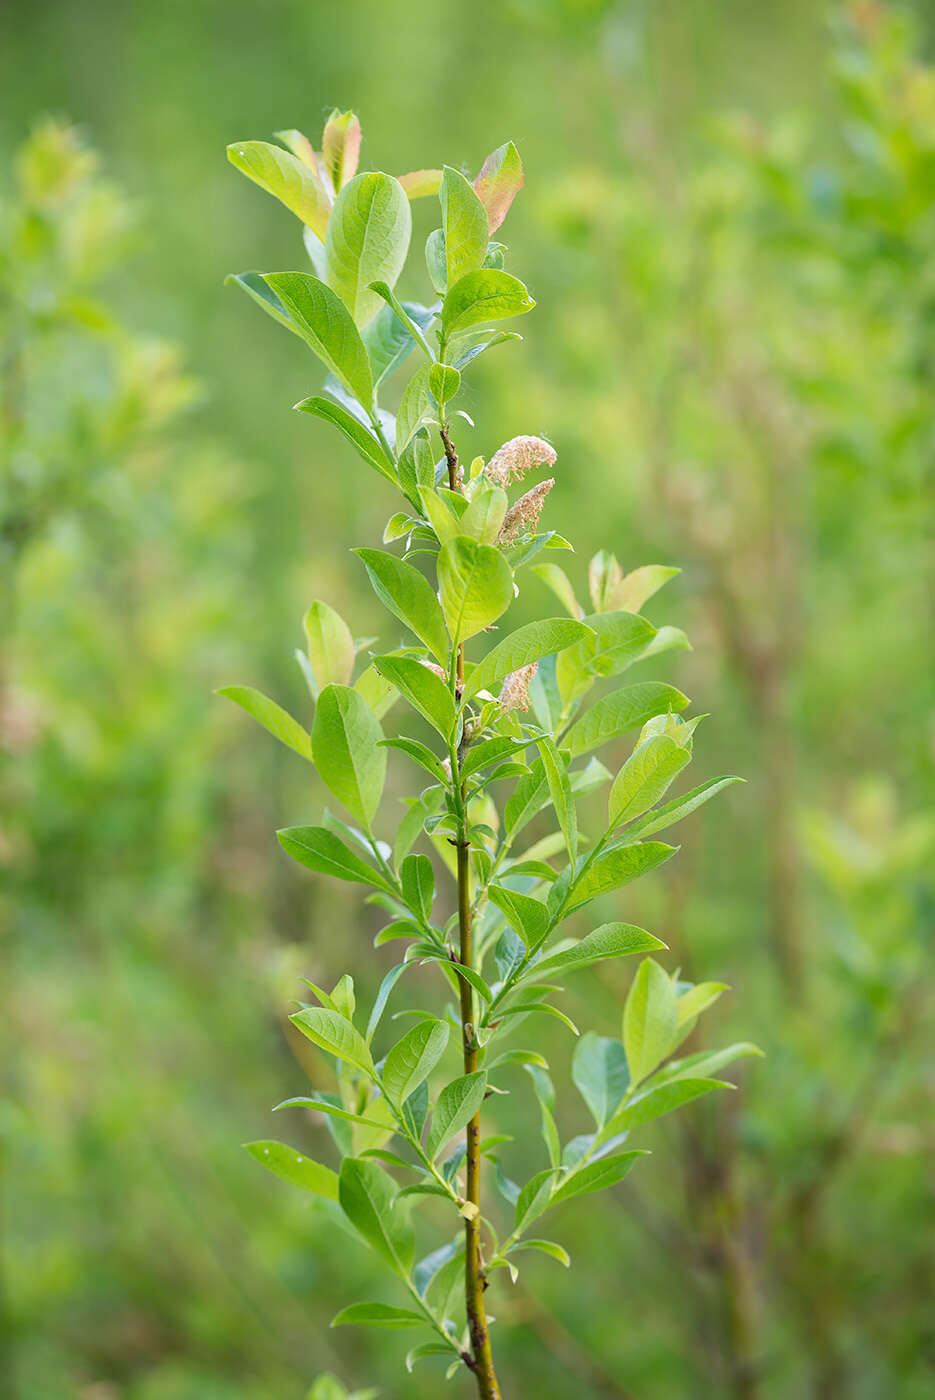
(729, 225)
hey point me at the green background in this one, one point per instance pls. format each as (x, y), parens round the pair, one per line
(732, 353)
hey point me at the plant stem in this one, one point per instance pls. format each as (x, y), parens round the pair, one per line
(475, 1280)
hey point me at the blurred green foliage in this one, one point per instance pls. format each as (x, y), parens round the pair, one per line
(733, 352)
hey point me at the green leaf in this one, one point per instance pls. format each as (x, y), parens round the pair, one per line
(363, 441)
(618, 867)
(678, 808)
(521, 648)
(546, 1247)
(484, 295)
(608, 941)
(650, 1019)
(413, 407)
(599, 1070)
(413, 1058)
(454, 1108)
(444, 383)
(424, 1350)
(644, 778)
(534, 1198)
(330, 1110)
(367, 1197)
(382, 997)
(367, 241)
(272, 717)
(484, 516)
(418, 884)
(638, 586)
(420, 753)
(378, 1315)
(476, 586)
(526, 916)
(330, 645)
(661, 1100)
(558, 581)
(596, 1176)
(561, 794)
(293, 1167)
(411, 318)
(325, 324)
(320, 850)
(253, 284)
(618, 639)
(408, 595)
(285, 177)
(545, 1096)
(346, 747)
(705, 1062)
(389, 339)
(527, 798)
(334, 1033)
(499, 182)
(426, 692)
(697, 999)
(464, 224)
(625, 709)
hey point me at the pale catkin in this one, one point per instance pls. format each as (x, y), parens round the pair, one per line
(514, 694)
(515, 458)
(523, 517)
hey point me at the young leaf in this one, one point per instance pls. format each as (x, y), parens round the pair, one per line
(293, 1167)
(534, 1198)
(413, 1058)
(330, 1110)
(618, 867)
(346, 747)
(465, 226)
(596, 1176)
(418, 883)
(644, 777)
(608, 941)
(625, 709)
(330, 645)
(499, 182)
(367, 241)
(661, 1100)
(334, 1033)
(253, 284)
(638, 586)
(599, 1069)
(285, 177)
(324, 322)
(378, 1315)
(340, 147)
(650, 1019)
(426, 692)
(484, 295)
(408, 595)
(363, 441)
(561, 794)
(484, 516)
(697, 999)
(521, 648)
(319, 849)
(413, 407)
(476, 586)
(546, 1247)
(272, 717)
(421, 754)
(618, 639)
(454, 1108)
(558, 581)
(382, 997)
(526, 916)
(367, 1197)
(678, 808)
(705, 1062)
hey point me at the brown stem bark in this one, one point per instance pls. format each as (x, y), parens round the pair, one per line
(475, 1281)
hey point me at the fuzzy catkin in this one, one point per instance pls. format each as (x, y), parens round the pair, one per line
(515, 458)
